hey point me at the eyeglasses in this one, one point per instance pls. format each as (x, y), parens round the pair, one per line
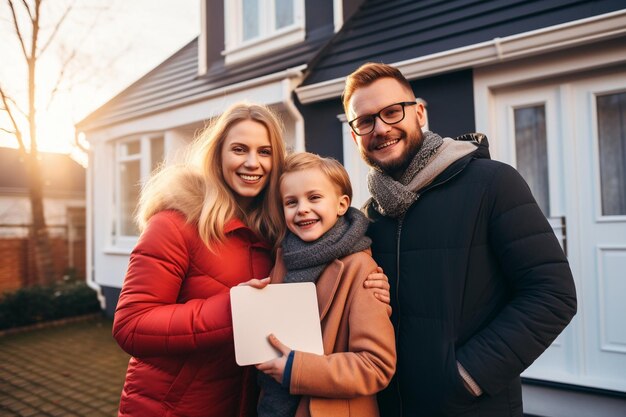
(364, 125)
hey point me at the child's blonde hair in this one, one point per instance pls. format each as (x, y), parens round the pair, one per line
(332, 168)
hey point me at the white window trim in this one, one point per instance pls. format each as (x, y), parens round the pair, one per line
(203, 40)
(237, 50)
(119, 243)
(337, 14)
(355, 166)
(593, 104)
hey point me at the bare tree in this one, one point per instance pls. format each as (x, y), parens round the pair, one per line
(32, 48)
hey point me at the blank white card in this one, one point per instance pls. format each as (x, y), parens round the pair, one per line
(288, 310)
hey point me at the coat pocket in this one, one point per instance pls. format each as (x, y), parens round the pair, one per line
(336, 407)
(458, 401)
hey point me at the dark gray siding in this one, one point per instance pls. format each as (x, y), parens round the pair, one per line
(322, 129)
(112, 295)
(395, 30)
(319, 17)
(215, 32)
(350, 7)
(450, 102)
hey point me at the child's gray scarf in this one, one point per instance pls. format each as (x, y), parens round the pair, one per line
(305, 261)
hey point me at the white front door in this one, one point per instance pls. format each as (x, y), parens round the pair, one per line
(568, 139)
(600, 130)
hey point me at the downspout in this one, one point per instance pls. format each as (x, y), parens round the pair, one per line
(289, 84)
(90, 278)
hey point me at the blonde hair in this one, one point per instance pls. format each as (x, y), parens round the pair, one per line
(366, 74)
(332, 168)
(197, 187)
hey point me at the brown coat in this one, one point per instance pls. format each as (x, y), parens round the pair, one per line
(359, 346)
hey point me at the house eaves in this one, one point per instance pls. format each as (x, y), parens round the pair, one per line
(184, 99)
(468, 40)
(175, 82)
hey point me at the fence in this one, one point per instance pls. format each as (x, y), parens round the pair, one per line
(17, 254)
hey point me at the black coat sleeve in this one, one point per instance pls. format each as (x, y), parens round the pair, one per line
(543, 297)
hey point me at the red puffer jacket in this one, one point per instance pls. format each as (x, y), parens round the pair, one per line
(173, 317)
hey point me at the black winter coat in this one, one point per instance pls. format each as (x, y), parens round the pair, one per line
(477, 276)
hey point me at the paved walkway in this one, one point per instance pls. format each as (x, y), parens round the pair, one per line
(72, 370)
(78, 370)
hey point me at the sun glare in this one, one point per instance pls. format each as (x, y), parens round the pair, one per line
(55, 134)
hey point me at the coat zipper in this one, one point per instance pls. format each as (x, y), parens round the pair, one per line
(400, 220)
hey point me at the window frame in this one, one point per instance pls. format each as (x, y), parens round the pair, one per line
(598, 162)
(117, 239)
(537, 180)
(236, 49)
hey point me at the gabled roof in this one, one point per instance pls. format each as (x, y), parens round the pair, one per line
(391, 31)
(63, 177)
(176, 80)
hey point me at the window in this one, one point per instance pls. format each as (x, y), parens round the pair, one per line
(611, 110)
(255, 27)
(532, 152)
(136, 159)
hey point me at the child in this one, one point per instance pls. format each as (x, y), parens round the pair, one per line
(326, 244)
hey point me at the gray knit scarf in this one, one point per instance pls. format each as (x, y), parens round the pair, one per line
(395, 197)
(305, 261)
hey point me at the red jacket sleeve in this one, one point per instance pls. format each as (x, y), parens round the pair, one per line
(148, 321)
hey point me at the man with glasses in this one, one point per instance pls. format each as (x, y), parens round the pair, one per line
(480, 286)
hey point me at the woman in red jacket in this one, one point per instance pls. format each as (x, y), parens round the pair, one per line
(207, 225)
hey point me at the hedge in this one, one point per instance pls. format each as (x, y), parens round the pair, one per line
(43, 303)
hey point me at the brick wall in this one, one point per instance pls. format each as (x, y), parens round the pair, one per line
(17, 261)
(13, 253)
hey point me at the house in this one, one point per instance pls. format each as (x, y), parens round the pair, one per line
(545, 80)
(64, 211)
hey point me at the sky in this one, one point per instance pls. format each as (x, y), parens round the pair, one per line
(115, 43)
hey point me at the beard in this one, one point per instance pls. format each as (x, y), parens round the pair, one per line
(396, 167)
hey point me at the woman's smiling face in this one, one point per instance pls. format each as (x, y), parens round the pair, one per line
(246, 160)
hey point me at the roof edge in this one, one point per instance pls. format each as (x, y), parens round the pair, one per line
(228, 89)
(570, 34)
(92, 114)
